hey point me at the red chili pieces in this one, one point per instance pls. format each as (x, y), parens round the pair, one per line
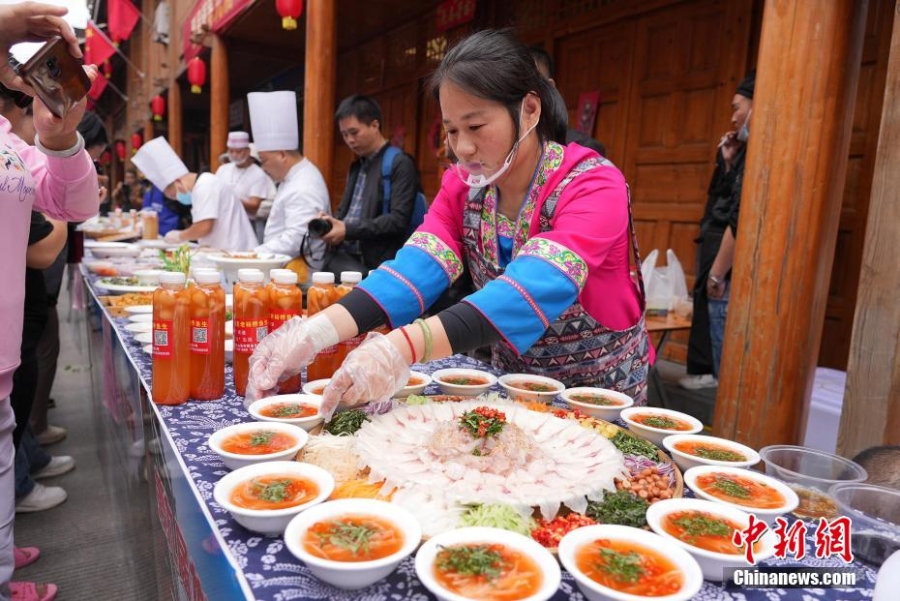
(483, 422)
(550, 533)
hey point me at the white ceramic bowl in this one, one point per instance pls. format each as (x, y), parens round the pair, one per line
(101, 268)
(442, 375)
(139, 309)
(137, 328)
(428, 552)
(711, 563)
(313, 388)
(594, 591)
(229, 265)
(144, 338)
(345, 574)
(767, 515)
(656, 435)
(233, 460)
(147, 348)
(148, 277)
(307, 423)
(141, 318)
(106, 250)
(686, 461)
(413, 388)
(270, 521)
(607, 412)
(512, 383)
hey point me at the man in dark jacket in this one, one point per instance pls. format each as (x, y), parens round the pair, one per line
(362, 234)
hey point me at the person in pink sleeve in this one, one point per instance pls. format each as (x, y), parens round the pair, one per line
(544, 230)
(57, 177)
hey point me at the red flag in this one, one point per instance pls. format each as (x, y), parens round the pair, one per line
(98, 87)
(122, 16)
(96, 47)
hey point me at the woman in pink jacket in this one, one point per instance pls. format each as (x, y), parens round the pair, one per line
(57, 177)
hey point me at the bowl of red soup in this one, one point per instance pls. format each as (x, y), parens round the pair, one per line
(746, 490)
(655, 424)
(464, 382)
(297, 409)
(264, 497)
(597, 402)
(528, 387)
(256, 442)
(621, 563)
(352, 543)
(316, 387)
(691, 450)
(706, 530)
(415, 385)
(487, 564)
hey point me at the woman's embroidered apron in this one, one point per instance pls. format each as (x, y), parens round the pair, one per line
(575, 349)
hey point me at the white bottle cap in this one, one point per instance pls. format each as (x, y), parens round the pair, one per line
(250, 276)
(284, 277)
(207, 276)
(351, 277)
(272, 272)
(323, 277)
(175, 278)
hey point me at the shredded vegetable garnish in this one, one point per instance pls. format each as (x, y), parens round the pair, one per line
(497, 516)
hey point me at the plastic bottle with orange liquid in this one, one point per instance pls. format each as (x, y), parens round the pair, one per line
(320, 296)
(349, 280)
(251, 322)
(207, 336)
(171, 341)
(285, 302)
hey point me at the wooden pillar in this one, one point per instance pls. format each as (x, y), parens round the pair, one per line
(319, 85)
(218, 99)
(149, 133)
(803, 106)
(175, 122)
(871, 414)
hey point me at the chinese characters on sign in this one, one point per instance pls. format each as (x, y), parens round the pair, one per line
(831, 538)
(454, 12)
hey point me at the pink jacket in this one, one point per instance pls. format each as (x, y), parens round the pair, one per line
(63, 189)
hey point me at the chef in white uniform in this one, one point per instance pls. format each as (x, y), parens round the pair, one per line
(302, 192)
(243, 176)
(219, 218)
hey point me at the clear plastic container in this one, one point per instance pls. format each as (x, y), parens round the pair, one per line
(874, 512)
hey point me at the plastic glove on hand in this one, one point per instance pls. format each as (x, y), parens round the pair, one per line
(373, 372)
(281, 355)
(173, 236)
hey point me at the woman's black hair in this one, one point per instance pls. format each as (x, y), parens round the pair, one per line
(494, 65)
(92, 130)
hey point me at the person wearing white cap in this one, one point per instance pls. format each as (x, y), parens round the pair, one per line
(219, 218)
(245, 178)
(302, 194)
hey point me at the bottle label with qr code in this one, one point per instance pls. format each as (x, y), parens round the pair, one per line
(278, 316)
(200, 344)
(162, 339)
(248, 333)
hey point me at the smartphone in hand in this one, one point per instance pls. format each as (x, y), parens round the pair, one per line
(57, 77)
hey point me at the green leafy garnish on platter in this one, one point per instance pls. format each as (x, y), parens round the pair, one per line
(632, 445)
(346, 423)
(621, 507)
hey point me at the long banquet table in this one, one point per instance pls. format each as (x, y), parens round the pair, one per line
(205, 553)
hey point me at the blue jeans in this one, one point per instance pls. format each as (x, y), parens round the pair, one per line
(718, 311)
(30, 457)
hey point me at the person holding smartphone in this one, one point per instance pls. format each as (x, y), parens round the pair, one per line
(57, 177)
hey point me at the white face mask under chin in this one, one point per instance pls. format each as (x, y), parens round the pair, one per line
(478, 181)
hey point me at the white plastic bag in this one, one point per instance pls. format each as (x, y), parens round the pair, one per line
(664, 286)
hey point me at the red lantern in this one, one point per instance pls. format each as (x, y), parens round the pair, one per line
(136, 141)
(120, 149)
(158, 107)
(290, 11)
(105, 158)
(196, 74)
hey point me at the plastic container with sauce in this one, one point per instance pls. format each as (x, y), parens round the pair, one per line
(285, 302)
(207, 336)
(349, 280)
(251, 322)
(171, 341)
(321, 295)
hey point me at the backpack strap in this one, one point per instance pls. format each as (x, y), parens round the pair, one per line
(387, 162)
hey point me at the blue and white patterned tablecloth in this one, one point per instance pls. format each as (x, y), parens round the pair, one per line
(273, 574)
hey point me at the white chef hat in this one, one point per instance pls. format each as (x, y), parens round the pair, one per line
(238, 139)
(273, 118)
(159, 163)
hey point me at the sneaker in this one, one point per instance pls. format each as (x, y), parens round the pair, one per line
(41, 498)
(25, 556)
(32, 591)
(698, 382)
(59, 465)
(51, 435)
